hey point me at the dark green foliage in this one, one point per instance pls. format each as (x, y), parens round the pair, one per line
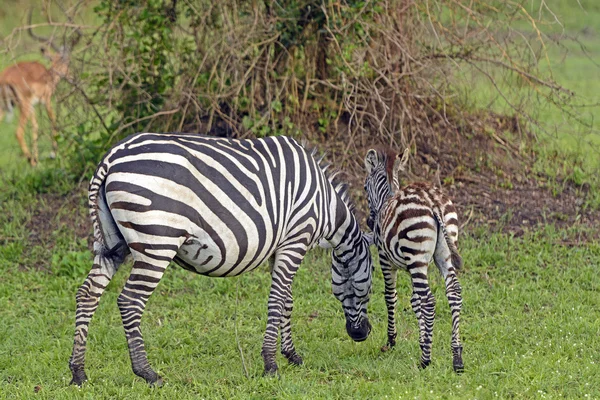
(145, 40)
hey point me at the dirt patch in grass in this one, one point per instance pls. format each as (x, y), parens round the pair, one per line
(56, 214)
(486, 166)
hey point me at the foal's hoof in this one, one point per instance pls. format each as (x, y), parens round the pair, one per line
(425, 364)
(78, 378)
(389, 346)
(459, 367)
(77, 382)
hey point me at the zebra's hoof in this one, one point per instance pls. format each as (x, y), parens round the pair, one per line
(157, 383)
(294, 358)
(270, 370)
(457, 361)
(425, 363)
(151, 377)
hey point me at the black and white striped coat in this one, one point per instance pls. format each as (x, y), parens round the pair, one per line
(413, 226)
(217, 207)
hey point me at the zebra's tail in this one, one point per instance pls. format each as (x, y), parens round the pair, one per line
(457, 260)
(8, 100)
(108, 240)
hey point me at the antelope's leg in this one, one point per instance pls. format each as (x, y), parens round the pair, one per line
(20, 133)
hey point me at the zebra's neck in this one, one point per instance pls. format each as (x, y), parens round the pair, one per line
(385, 193)
(346, 231)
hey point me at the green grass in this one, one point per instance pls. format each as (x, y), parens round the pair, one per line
(530, 325)
(568, 147)
(530, 322)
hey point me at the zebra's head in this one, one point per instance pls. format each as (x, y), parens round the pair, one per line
(382, 178)
(351, 276)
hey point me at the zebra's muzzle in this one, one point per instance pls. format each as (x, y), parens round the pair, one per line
(360, 332)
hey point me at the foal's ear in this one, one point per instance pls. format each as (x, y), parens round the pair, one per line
(400, 163)
(370, 160)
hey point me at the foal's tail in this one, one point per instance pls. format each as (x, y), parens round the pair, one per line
(457, 260)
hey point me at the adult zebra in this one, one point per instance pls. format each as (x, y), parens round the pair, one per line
(412, 226)
(217, 207)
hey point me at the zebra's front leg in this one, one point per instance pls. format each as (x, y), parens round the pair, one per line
(423, 304)
(287, 345)
(454, 295)
(285, 265)
(390, 275)
(144, 277)
(88, 298)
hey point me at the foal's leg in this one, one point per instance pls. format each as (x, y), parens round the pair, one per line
(88, 297)
(443, 260)
(423, 304)
(390, 275)
(287, 261)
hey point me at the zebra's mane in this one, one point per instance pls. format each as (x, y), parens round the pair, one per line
(333, 175)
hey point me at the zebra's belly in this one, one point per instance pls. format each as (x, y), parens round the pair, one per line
(201, 254)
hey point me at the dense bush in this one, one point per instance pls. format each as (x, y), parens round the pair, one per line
(371, 71)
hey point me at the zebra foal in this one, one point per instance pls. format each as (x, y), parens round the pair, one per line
(412, 226)
(217, 207)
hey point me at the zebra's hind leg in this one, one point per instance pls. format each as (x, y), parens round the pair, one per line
(144, 278)
(88, 297)
(390, 275)
(287, 345)
(287, 261)
(443, 260)
(423, 304)
(453, 293)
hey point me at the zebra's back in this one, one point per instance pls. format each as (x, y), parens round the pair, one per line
(407, 229)
(225, 205)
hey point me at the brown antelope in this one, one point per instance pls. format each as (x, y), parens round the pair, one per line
(27, 83)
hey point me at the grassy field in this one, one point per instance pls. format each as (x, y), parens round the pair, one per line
(530, 322)
(530, 327)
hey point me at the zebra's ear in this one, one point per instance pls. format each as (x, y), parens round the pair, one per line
(400, 163)
(370, 160)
